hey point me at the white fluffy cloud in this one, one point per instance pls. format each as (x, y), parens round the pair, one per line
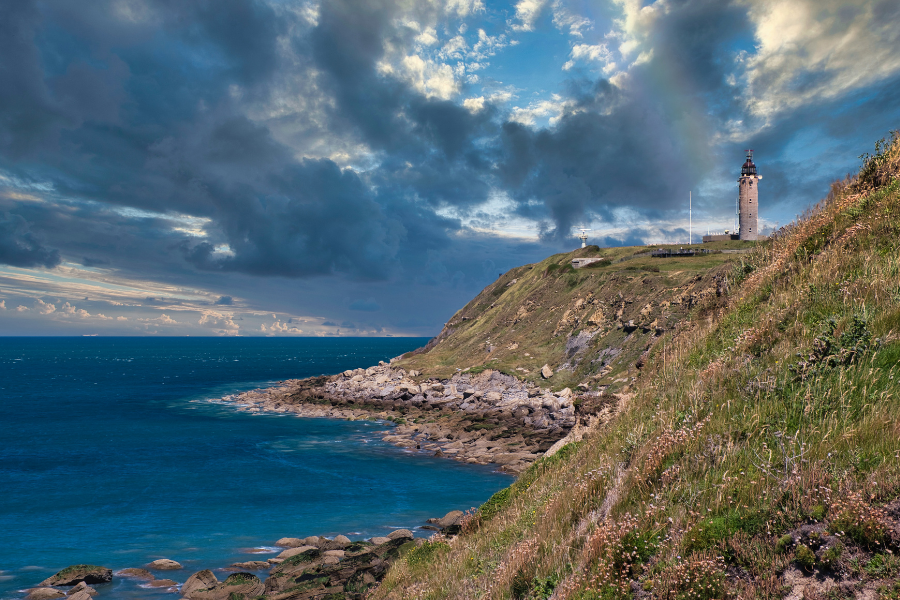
(44, 308)
(218, 322)
(808, 50)
(592, 53)
(527, 13)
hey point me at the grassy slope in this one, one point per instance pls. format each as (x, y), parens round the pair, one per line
(531, 313)
(776, 413)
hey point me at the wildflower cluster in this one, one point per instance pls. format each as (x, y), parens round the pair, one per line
(697, 578)
(667, 443)
(858, 519)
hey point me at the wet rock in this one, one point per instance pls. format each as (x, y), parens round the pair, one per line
(165, 564)
(44, 593)
(77, 573)
(200, 580)
(136, 573)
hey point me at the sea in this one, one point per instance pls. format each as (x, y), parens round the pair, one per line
(117, 451)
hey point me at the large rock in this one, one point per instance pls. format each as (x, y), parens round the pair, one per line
(342, 539)
(165, 564)
(238, 585)
(294, 551)
(82, 595)
(78, 573)
(200, 580)
(82, 587)
(451, 518)
(400, 533)
(289, 542)
(546, 372)
(380, 540)
(250, 565)
(44, 593)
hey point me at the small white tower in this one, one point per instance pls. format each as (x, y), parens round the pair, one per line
(583, 237)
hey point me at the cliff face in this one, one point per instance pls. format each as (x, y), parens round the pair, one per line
(756, 453)
(593, 326)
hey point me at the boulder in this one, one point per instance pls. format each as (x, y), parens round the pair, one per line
(200, 580)
(342, 539)
(338, 553)
(378, 541)
(451, 518)
(400, 533)
(238, 585)
(546, 372)
(82, 595)
(136, 573)
(565, 393)
(165, 564)
(82, 587)
(311, 541)
(493, 397)
(289, 542)
(44, 593)
(294, 551)
(78, 573)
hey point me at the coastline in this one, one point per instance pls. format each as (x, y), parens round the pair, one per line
(483, 418)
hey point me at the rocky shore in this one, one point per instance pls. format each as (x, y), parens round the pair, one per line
(311, 568)
(483, 418)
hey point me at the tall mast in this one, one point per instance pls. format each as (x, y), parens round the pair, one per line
(690, 219)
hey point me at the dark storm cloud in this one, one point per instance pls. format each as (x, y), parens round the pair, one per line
(19, 247)
(225, 301)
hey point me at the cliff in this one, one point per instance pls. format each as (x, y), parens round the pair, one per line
(755, 452)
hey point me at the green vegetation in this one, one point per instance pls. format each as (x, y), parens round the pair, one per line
(760, 434)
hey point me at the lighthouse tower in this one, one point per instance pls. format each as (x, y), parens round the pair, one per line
(748, 199)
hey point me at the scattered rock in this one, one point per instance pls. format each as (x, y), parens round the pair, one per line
(451, 518)
(311, 541)
(400, 533)
(82, 595)
(289, 542)
(44, 593)
(337, 553)
(342, 539)
(378, 541)
(200, 580)
(136, 573)
(82, 587)
(250, 565)
(78, 573)
(165, 564)
(546, 372)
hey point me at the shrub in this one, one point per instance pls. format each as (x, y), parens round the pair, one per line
(858, 520)
(697, 578)
(783, 543)
(831, 557)
(882, 566)
(804, 557)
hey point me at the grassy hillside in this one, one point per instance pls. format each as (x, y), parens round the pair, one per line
(757, 454)
(591, 325)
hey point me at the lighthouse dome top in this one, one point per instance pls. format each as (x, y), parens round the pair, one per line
(749, 167)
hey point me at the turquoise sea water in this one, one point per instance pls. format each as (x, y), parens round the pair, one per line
(114, 452)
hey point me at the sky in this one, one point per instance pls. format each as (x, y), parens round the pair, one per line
(282, 167)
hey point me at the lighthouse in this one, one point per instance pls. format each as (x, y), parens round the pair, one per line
(748, 200)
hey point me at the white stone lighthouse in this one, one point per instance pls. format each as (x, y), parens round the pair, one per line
(748, 200)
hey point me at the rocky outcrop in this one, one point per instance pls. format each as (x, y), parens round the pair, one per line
(75, 574)
(136, 573)
(237, 585)
(481, 418)
(200, 580)
(82, 587)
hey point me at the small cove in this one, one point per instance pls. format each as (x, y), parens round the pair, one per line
(115, 454)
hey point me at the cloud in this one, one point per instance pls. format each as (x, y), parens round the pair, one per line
(329, 324)
(225, 301)
(19, 247)
(527, 13)
(280, 328)
(2, 304)
(595, 53)
(21, 308)
(44, 308)
(368, 305)
(218, 322)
